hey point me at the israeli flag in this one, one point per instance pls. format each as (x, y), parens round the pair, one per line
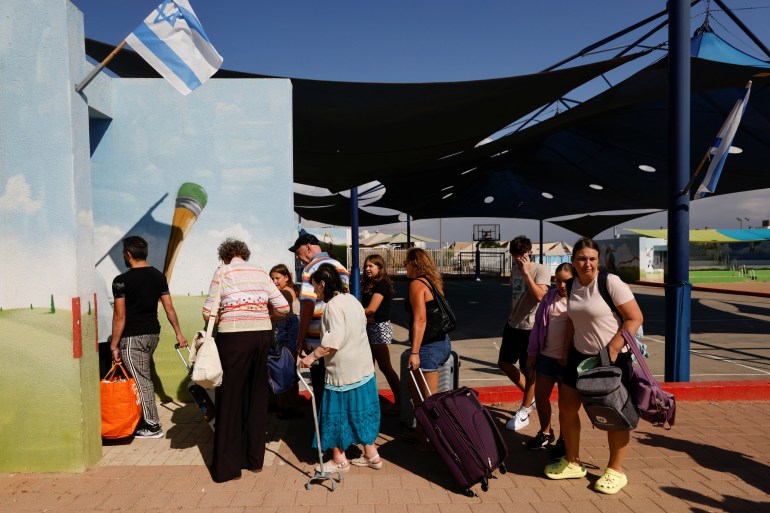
(721, 145)
(172, 40)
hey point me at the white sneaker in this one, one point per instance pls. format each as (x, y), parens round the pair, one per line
(521, 419)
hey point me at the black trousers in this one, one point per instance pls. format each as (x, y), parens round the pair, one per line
(240, 432)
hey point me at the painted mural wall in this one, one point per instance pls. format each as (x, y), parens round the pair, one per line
(186, 172)
(633, 258)
(78, 173)
(48, 360)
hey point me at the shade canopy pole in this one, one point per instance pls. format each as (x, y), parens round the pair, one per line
(678, 288)
(355, 273)
(542, 258)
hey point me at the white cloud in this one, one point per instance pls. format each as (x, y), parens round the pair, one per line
(198, 259)
(18, 196)
(105, 236)
(85, 218)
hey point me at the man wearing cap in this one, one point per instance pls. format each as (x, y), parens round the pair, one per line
(307, 249)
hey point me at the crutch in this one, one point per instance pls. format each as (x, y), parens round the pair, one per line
(323, 475)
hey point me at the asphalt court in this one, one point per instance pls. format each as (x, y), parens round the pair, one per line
(729, 341)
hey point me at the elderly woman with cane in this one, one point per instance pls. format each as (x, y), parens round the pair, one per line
(350, 411)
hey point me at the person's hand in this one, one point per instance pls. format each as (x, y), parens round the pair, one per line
(414, 361)
(115, 356)
(182, 341)
(524, 263)
(613, 354)
(307, 361)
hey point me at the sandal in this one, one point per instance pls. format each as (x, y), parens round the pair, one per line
(563, 469)
(611, 482)
(333, 466)
(374, 462)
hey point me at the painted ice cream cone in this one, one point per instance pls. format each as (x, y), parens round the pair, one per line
(190, 201)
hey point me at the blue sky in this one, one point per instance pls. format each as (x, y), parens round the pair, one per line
(434, 41)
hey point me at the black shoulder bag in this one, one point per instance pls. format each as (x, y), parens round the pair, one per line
(439, 316)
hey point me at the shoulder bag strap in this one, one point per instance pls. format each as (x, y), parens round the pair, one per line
(215, 306)
(631, 343)
(429, 283)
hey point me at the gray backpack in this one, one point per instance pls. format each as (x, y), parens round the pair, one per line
(605, 398)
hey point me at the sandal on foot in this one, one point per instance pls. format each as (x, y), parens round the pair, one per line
(563, 469)
(611, 482)
(333, 466)
(374, 462)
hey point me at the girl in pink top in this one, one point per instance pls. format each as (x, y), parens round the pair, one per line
(545, 355)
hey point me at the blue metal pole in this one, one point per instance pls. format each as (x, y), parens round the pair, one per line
(678, 288)
(542, 257)
(355, 273)
(478, 261)
(408, 231)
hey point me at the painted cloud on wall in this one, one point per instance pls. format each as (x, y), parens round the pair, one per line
(17, 196)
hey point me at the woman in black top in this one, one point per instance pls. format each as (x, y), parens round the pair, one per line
(376, 295)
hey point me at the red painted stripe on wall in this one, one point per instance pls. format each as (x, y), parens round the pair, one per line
(96, 323)
(77, 329)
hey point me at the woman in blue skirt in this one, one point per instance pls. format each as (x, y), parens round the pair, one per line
(350, 411)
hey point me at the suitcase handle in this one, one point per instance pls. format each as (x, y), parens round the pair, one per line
(414, 380)
(184, 361)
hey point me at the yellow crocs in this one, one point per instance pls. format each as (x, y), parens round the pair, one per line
(611, 482)
(563, 469)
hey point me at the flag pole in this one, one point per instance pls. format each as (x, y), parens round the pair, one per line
(83, 83)
(695, 175)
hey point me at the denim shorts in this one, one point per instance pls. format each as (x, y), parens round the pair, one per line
(286, 332)
(434, 354)
(549, 367)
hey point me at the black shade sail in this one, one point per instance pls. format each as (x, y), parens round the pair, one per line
(588, 158)
(347, 133)
(592, 225)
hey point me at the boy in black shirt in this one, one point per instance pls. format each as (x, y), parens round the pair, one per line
(135, 326)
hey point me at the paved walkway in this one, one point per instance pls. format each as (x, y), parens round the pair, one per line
(716, 458)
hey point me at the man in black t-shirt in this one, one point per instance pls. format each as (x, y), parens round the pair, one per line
(135, 326)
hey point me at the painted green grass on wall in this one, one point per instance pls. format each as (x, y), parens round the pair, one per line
(168, 366)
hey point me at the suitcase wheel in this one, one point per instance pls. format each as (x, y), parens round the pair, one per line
(484, 484)
(469, 493)
(503, 468)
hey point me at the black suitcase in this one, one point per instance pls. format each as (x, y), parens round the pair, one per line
(202, 397)
(448, 379)
(464, 434)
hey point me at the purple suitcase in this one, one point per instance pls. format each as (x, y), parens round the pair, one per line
(464, 434)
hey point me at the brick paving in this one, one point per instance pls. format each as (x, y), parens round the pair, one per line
(716, 458)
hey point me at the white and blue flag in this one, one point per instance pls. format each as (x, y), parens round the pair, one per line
(172, 40)
(721, 145)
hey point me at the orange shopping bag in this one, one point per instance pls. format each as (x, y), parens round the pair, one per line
(121, 404)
